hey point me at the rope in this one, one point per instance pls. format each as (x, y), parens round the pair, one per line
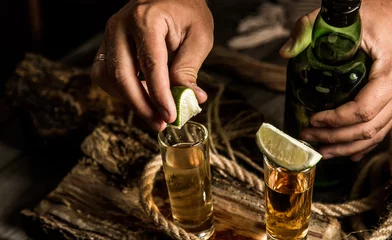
(384, 231)
(151, 209)
(233, 169)
(344, 209)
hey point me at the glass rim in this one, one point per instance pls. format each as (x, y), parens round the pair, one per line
(277, 167)
(196, 143)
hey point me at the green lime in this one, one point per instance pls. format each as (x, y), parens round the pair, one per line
(285, 150)
(186, 104)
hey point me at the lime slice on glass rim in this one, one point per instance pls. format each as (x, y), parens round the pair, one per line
(186, 104)
(285, 150)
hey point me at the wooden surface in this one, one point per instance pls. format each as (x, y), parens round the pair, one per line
(99, 198)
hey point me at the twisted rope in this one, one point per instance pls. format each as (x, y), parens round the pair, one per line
(147, 180)
(384, 231)
(344, 209)
(232, 168)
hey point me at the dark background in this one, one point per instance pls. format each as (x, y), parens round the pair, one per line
(54, 28)
(49, 27)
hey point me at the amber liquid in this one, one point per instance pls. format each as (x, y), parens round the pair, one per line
(188, 179)
(288, 202)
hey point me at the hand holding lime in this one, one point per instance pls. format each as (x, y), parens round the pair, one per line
(186, 104)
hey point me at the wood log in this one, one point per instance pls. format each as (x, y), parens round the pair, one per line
(60, 100)
(247, 68)
(99, 198)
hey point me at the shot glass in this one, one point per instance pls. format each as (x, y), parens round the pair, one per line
(186, 165)
(288, 199)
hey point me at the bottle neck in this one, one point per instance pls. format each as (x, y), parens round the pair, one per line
(339, 18)
(337, 32)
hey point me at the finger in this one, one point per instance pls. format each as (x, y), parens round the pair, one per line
(357, 157)
(300, 37)
(188, 60)
(122, 69)
(349, 149)
(351, 133)
(99, 75)
(365, 107)
(153, 59)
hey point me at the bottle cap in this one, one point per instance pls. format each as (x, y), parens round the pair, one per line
(341, 6)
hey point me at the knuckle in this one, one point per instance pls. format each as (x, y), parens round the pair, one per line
(138, 12)
(304, 21)
(369, 132)
(144, 15)
(330, 138)
(378, 138)
(335, 122)
(112, 23)
(365, 114)
(188, 73)
(147, 63)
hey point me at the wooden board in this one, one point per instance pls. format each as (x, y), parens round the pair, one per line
(99, 198)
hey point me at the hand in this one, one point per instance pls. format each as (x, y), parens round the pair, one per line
(356, 127)
(139, 37)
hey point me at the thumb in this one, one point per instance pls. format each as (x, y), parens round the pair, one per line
(300, 37)
(187, 62)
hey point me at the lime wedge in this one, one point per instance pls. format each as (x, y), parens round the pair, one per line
(285, 150)
(186, 104)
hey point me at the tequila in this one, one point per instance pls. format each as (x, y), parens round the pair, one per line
(288, 201)
(188, 179)
(186, 165)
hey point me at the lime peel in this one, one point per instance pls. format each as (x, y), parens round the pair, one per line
(187, 105)
(285, 150)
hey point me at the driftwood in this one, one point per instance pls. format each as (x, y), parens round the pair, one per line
(99, 198)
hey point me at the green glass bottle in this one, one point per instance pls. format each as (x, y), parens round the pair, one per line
(327, 74)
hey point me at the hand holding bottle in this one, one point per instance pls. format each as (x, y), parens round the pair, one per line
(139, 37)
(355, 128)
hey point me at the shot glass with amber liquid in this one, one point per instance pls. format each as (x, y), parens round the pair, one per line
(186, 166)
(288, 198)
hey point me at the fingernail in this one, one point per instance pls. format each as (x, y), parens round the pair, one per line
(327, 156)
(308, 137)
(317, 124)
(198, 89)
(288, 45)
